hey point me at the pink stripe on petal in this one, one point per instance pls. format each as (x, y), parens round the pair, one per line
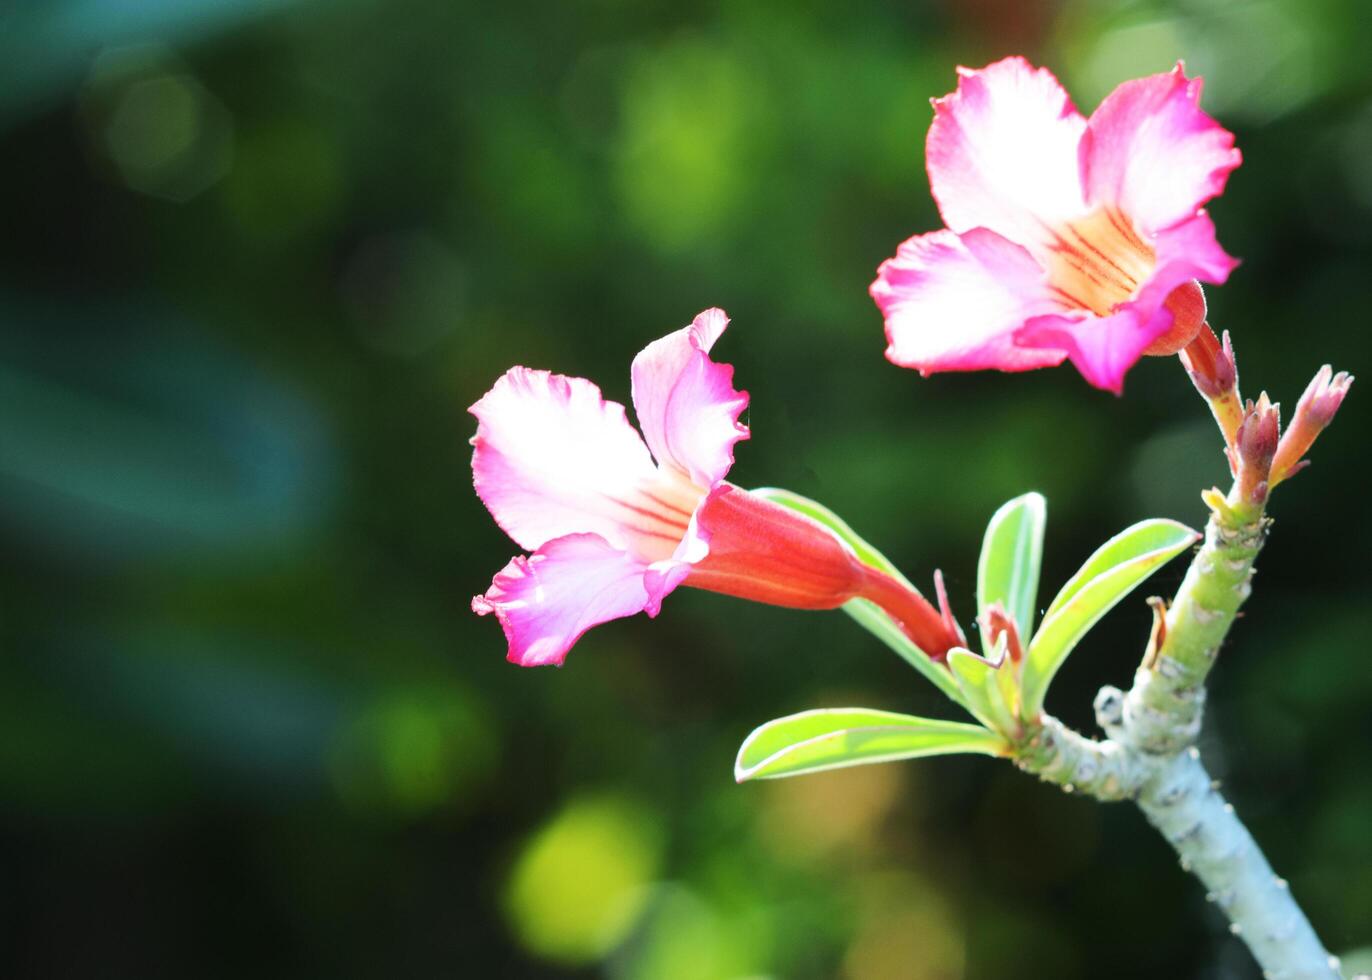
(547, 601)
(1150, 151)
(953, 303)
(1002, 152)
(665, 575)
(686, 403)
(553, 457)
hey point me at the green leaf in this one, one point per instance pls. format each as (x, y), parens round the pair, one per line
(1110, 574)
(982, 688)
(1157, 534)
(1008, 571)
(875, 621)
(867, 615)
(831, 738)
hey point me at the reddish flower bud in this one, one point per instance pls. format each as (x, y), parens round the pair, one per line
(1210, 363)
(1255, 446)
(995, 622)
(1314, 411)
(1186, 303)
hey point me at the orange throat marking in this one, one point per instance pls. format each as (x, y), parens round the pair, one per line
(1097, 261)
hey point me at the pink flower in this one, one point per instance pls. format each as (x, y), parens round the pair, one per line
(615, 525)
(1066, 236)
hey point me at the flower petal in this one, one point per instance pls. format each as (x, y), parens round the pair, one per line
(1152, 152)
(553, 457)
(545, 602)
(686, 403)
(665, 575)
(1104, 348)
(1003, 152)
(1187, 250)
(953, 303)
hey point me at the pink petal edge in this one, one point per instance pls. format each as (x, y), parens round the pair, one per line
(1152, 152)
(547, 601)
(686, 403)
(548, 450)
(953, 303)
(1003, 151)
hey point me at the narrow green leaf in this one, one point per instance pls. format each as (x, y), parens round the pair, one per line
(867, 615)
(1157, 534)
(981, 687)
(831, 738)
(1008, 570)
(1110, 574)
(871, 618)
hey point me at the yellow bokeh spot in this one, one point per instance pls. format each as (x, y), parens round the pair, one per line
(830, 813)
(686, 937)
(905, 932)
(582, 880)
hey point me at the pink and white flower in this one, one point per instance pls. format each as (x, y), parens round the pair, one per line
(1066, 237)
(615, 524)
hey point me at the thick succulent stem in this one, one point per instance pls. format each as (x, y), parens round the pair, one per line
(1186, 807)
(1150, 755)
(1162, 711)
(1179, 798)
(1057, 754)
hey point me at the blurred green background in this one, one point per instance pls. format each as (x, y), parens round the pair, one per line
(260, 256)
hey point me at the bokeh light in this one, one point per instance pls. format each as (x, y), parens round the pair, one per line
(581, 881)
(260, 257)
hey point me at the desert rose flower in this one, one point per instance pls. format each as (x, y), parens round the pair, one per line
(615, 524)
(1066, 237)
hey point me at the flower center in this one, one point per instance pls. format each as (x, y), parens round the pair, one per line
(654, 516)
(1097, 261)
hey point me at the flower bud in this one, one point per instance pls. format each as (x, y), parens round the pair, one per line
(995, 622)
(1255, 446)
(1314, 412)
(1210, 363)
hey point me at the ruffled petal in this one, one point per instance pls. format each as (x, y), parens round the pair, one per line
(1187, 250)
(1104, 348)
(686, 403)
(953, 303)
(1150, 151)
(553, 457)
(665, 575)
(1003, 152)
(545, 602)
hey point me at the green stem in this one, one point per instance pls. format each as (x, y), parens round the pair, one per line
(1059, 755)
(1185, 805)
(1162, 711)
(1150, 755)
(1178, 797)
